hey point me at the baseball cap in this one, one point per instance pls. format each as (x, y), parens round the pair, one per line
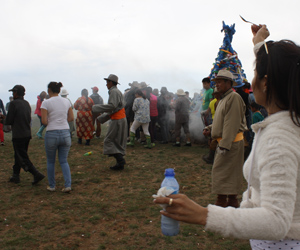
(95, 89)
(19, 89)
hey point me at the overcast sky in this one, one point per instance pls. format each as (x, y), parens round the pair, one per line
(164, 43)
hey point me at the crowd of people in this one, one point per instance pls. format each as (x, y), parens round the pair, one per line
(231, 118)
(269, 214)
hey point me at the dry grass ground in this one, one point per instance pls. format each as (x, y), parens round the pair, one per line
(105, 210)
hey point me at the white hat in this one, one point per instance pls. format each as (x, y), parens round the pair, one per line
(225, 74)
(64, 92)
(180, 92)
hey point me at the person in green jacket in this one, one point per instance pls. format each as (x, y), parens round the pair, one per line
(257, 116)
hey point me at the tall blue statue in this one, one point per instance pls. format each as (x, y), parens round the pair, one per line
(227, 58)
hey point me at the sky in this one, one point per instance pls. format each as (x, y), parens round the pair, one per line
(167, 43)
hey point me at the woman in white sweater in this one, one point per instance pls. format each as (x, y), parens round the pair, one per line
(269, 214)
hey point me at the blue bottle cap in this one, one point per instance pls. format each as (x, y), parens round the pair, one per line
(169, 172)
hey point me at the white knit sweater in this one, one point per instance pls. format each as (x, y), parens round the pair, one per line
(273, 210)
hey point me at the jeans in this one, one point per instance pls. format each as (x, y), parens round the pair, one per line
(58, 140)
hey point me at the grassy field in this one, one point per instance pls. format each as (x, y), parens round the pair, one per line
(106, 209)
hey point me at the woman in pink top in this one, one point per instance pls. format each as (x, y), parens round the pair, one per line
(38, 112)
(153, 114)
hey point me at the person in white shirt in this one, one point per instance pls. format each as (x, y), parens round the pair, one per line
(56, 114)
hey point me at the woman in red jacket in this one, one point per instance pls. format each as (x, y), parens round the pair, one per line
(38, 112)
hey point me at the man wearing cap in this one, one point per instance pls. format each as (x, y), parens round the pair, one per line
(19, 117)
(97, 100)
(182, 106)
(115, 139)
(227, 128)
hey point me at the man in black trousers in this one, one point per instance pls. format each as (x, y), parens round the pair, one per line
(19, 117)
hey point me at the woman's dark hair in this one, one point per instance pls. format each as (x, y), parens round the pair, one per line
(43, 95)
(206, 79)
(140, 93)
(281, 66)
(55, 86)
(85, 93)
(255, 105)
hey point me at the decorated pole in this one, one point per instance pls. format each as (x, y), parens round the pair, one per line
(228, 59)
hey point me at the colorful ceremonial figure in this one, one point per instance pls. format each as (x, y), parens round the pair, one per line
(84, 120)
(227, 128)
(116, 137)
(227, 58)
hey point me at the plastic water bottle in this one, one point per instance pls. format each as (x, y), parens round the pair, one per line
(170, 227)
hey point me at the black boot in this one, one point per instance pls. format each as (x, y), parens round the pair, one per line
(221, 200)
(79, 141)
(87, 143)
(37, 176)
(210, 157)
(14, 178)
(233, 201)
(120, 162)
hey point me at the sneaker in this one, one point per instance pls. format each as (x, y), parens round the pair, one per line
(51, 189)
(66, 190)
(176, 144)
(2, 143)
